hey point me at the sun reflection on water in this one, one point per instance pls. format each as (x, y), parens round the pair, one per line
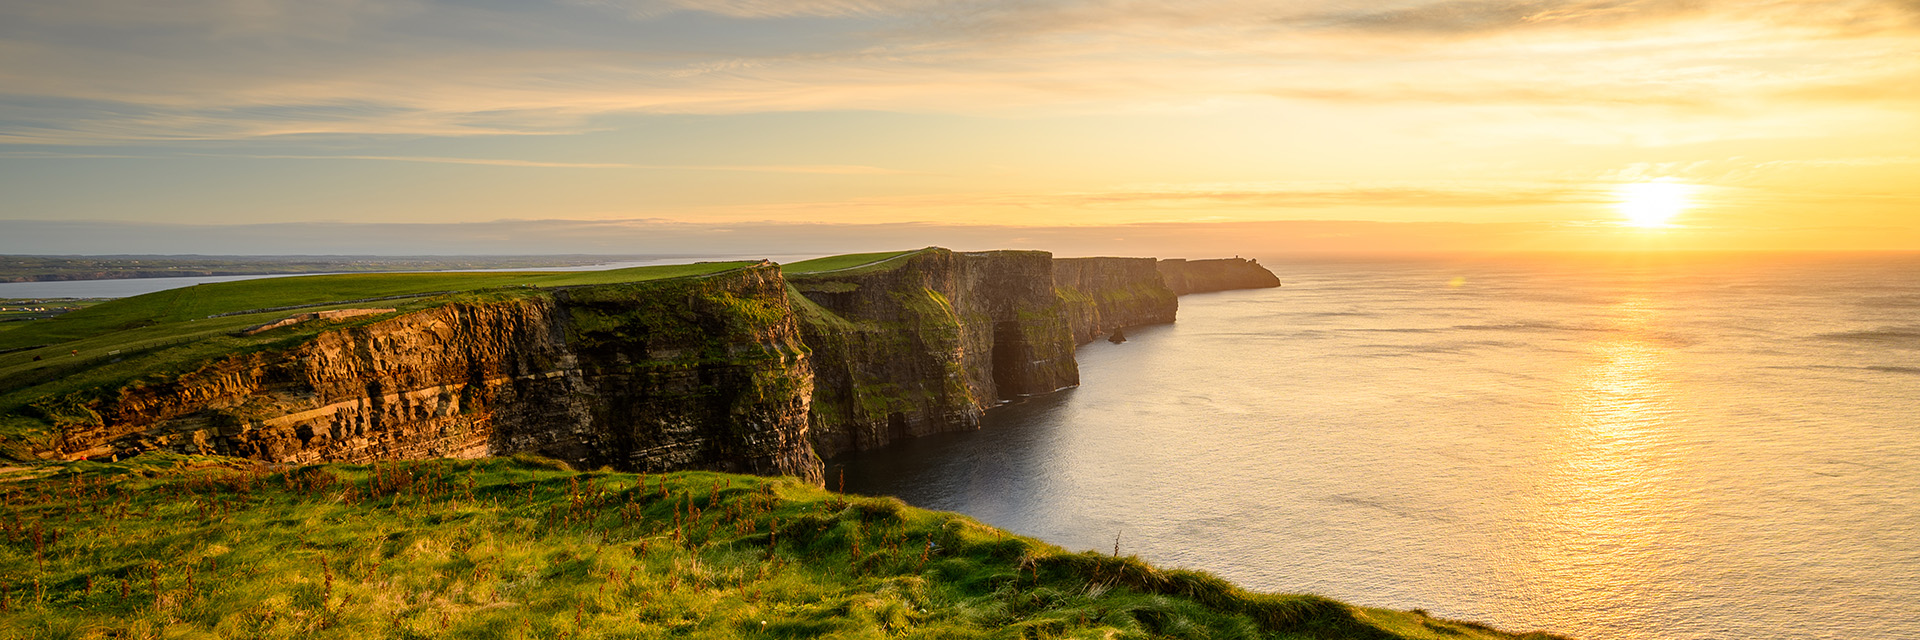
(1606, 519)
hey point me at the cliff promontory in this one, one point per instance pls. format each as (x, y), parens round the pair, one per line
(1103, 295)
(703, 372)
(1202, 276)
(924, 341)
(731, 367)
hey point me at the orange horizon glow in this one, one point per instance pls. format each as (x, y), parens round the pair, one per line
(1558, 125)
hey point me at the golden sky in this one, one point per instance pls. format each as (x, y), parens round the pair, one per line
(1773, 124)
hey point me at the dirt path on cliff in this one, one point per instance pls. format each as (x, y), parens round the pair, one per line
(15, 474)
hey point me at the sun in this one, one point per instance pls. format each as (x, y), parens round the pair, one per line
(1652, 205)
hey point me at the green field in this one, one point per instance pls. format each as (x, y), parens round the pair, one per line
(166, 332)
(197, 302)
(838, 263)
(66, 268)
(168, 546)
(16, 312)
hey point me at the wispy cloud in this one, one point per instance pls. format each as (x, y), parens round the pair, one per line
(1472, 16)
(1455, 17)
(1269, 240)
(101, 72)
(496, 162)
(1868, 161)
(1312, 196)
(1149, 203)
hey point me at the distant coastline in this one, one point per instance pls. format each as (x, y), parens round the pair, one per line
(24, 268)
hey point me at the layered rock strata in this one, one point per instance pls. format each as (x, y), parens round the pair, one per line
(742, 371)
(693, 373)
(1103, 295)
(1201, 276)
(925, 342)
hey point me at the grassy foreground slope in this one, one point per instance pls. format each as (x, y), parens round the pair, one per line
(166, 546)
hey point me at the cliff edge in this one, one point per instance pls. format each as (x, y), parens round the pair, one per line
(924, 341)
(1202, 276)
(1103, 295)
(740, 367)
(700, 372)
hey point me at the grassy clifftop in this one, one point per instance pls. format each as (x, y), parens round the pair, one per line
(170, 308)
(197, 547)
(159, 336)
(846, 262)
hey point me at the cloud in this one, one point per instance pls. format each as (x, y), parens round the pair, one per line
(821, 169)
(1151, 203)
(1456, 17)
(1576, 95)
(753, 239)
(787, 241)
(1308, 196)
(103, 72)
(1867, 161)
(767, 8)
(498, 162)
(1465, 16)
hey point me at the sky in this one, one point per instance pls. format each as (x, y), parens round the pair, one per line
(1145, 126)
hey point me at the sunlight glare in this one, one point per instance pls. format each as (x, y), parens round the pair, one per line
(1652, 205)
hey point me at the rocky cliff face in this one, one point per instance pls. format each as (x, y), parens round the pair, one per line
(741, 371)
(925, 342)
(693, 373)
(1201, 276)
(1101, 295)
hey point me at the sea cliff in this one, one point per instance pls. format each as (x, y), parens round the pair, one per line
(705, 372)
(752, 369)
(924, 342)
(1104, 295)
(1202, 276)
(733, 370)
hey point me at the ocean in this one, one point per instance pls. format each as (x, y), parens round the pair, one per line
(1611, 447)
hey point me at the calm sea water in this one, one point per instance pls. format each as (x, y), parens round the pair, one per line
(1612, 448)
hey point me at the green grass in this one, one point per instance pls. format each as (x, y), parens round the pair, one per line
(16, 312)
(167, 546)
(134, 325)
(169, 332)
(837, 263)
(188, 304)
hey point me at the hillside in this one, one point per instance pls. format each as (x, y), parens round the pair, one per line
(164, 545)
(655, 367)
(744, 367)
(16, 268)
(913, 343)
(166, 313)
